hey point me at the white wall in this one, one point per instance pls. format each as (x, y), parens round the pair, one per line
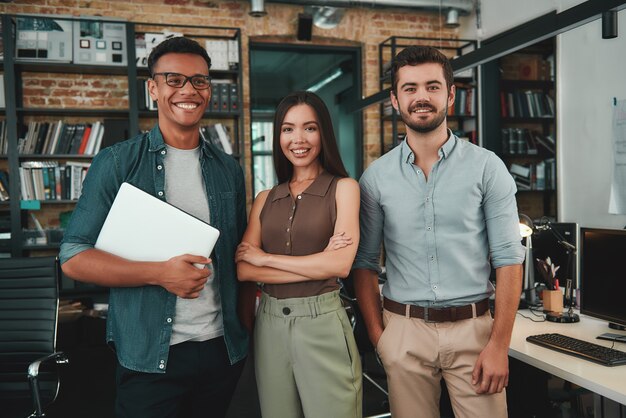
(590, 72)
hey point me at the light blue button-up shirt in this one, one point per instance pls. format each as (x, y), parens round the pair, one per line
(443, 234)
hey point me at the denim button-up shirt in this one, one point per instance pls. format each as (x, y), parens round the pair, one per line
(139, 322)
(441, 234)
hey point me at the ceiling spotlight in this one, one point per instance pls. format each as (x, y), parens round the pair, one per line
(452, 18)
(609, 24)
(326, 17)
(257, 8)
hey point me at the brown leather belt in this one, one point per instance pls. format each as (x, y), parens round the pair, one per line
(452, 314)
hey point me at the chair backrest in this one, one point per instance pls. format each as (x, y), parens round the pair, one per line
(28, 323)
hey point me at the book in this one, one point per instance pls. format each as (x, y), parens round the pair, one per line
(224, 138)
(77, 138)
(84, 140)
(233, 99)
(4, 186)
(520, 170)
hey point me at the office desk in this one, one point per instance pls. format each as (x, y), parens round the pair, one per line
(609, 382)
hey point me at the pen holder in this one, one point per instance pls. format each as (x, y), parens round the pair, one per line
(553, 300)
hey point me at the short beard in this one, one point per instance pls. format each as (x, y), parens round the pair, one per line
(423, 128)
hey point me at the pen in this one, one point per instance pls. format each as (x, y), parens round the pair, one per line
(556, 284)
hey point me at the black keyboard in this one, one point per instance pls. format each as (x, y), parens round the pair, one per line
(579, 348)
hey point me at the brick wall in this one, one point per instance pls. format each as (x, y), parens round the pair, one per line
(365, 26)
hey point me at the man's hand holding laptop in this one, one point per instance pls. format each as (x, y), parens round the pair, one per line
(185, 275)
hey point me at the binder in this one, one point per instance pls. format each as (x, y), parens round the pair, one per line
(224, 102)
(233, 97)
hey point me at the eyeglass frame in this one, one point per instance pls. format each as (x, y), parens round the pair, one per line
(187, 79)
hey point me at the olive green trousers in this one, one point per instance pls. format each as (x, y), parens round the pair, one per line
(306, 360)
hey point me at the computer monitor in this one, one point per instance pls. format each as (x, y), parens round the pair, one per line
(546, 244)
(603, 274)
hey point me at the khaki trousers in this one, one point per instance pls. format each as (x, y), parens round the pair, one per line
(306, 360)
(416, 354)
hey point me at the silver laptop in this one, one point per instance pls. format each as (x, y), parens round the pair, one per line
(140, 227)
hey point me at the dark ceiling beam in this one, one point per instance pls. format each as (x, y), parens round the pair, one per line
(543, 27)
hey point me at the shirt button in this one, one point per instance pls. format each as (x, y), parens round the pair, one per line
(162, 361)
(163, 152)
(429, 228)
(432, 258)
(161, 366)
(299, 197)
(160, 193)
(435, 287)
(159, 167)
(286, 311)
(288, 229)
(169, 320)
(291, 217)
(287, 244)
(427, 199)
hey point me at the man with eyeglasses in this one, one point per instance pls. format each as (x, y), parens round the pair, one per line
(179, 342)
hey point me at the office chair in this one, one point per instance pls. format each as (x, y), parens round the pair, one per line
(29, 304)
(362, 339)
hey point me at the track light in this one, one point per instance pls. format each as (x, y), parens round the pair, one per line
(452, 18)
(257, 8)
(609, 24)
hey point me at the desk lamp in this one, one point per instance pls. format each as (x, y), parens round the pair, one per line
(526, 231)
(569, 316)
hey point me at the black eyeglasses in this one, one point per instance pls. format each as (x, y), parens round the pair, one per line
(199, 82)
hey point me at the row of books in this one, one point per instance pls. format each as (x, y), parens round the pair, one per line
(50, 138)
(224, 96)
(464, 102)
(524, 141)
(526, 104)
(217, 135)
(535, 176)
(48, 180)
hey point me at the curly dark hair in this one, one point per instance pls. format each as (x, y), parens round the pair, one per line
(179, 45)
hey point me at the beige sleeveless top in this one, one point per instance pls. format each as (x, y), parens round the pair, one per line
(300, 225)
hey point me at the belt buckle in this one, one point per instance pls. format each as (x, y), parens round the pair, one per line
(426, 318)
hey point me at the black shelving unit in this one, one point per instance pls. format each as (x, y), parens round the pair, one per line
(387, 50)
(15, 112)
(499, 85)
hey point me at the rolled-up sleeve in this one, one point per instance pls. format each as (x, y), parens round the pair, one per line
(99, 189)
(371, 221)
(500, 209)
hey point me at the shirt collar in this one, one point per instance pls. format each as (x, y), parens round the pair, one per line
(157, 143)
(444, 152)
(319, 187)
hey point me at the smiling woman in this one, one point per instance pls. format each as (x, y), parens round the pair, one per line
(301, 238)
(332, 72)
